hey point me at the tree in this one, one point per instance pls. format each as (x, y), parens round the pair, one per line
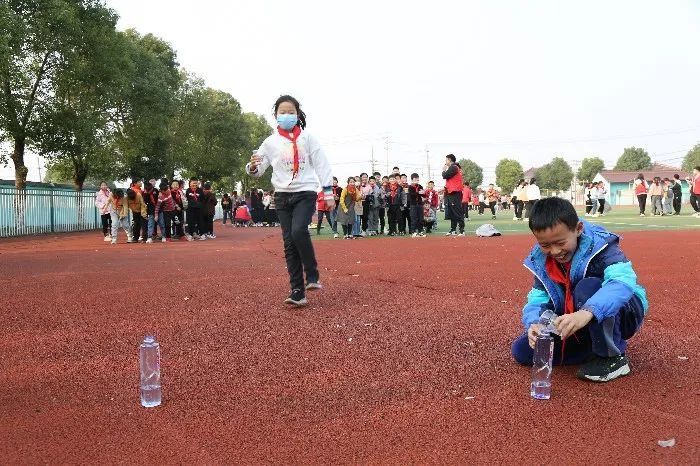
(147, 91)
(590, 167)
(40, 39)
(471, 172)
(508, 173)
(633, 159)
(692, 159)
(257, 130)
(556, 175)
(75, 123)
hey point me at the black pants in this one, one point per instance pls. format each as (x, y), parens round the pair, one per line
(601, 203)
(138, 223)
(208, 224)
(404, 220)
(695, 201)
(178, 226)
(382, 223)
(365, 212)
(465, 208)
(519, 209)
(589, 207)
(454, 209)
(429, 226)
(106, 224)
(677, 204)
(416, 214)
(642, 200)
(194, 221)
(482, 207)
(347, 229)
(492, 206)
(295, 211)
(394, 212)
(319, 220)
(167, 222)
(227, 214)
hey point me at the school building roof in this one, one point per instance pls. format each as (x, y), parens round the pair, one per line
(658, 169)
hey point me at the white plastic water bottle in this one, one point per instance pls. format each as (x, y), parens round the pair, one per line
(541, 386)
(149, 358)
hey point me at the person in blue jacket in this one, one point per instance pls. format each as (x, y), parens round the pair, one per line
(584, 277)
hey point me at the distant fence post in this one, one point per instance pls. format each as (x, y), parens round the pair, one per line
(52, 211)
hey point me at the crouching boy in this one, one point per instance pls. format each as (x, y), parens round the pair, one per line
(582, 274)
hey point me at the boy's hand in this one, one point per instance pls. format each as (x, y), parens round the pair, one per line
(532, 334)
(569, 324)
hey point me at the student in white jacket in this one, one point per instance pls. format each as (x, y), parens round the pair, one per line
(533, 195)
(299, 165)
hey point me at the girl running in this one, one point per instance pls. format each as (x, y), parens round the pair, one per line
(299, 165)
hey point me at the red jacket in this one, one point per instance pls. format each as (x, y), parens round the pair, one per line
(466, 195)
(432, 196)
(321, 202)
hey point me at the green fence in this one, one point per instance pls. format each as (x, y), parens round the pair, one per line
(46, 209)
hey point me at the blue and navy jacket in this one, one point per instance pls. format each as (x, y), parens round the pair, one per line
(598, 255)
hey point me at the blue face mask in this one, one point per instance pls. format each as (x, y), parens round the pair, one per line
(287, 121)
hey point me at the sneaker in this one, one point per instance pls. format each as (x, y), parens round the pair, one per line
(212, 236)
(189, 238)
(450, 233)
(203, 238)
(149, 241)
(642, 215)
(516, 218)
(421, 234)
(131, 240)
(526, 219)
(297, 298)
(314, 286)
(461, 234)
(108, 238)
(604, 369)
(595, 215)
(114, 240)
(493, 217)
(335, 235)
(164, 240)
(415, 235)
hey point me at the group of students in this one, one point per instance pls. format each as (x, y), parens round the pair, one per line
(375, 205)
(665, 194)
(164, 213)
(257, 209)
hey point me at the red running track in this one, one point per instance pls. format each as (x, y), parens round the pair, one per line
(404, 357)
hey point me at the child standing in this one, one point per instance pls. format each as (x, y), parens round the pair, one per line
(321, 211)
(337, 190)
(150, 197)
(194, 195)
(119, 212)
(415, 206)
(178, 217)
(346, 211)
(656, 191)
(299, 165)
(101, 199)
(167, 207)
(394, 201)
(668, 197)
(374, 199)
(137, 207)
(466, 198)
(584, 277)
(227, 208)
(641, 189)
(209, 202)
(405, 219)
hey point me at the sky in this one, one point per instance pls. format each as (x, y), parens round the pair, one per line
(481, 79)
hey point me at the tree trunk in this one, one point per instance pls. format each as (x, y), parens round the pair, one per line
(21, 170)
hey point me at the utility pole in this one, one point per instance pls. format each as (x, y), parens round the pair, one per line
(38, 164)
(386, 148)
(427, 159)
(373, 170)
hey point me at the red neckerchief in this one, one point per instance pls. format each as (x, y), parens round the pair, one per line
(293, 137)
(351, 189)
(562, 277)
(117, 203)
(394, 190)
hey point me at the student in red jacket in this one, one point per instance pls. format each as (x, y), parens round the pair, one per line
(166, 204)
(321, 211)
(466, 197)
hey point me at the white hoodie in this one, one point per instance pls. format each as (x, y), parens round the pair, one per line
(533, 192)
(278, 152)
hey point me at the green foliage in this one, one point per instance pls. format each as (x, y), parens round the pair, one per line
(590, 167)
(692, 159)
(633, 159)
(556, 175)
(508, 173)
(471, 172)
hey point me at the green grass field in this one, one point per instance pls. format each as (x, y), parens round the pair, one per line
(618, 219)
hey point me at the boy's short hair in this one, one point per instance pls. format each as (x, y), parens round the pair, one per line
(414, 176)
(677, 176)
(148, 185)
(335, 179)
(396, 168)
(385, 177)
(207, 185)
(163, 186)
(118, 193)
(451, 157)
(431, 182)
(376, 174)
(403, 175)
(194, 179)
(372, 178)
(548, 212)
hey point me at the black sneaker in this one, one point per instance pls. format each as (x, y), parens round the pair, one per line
(297, 298)
(604, 369)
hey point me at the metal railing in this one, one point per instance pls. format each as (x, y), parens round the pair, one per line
(46, 210)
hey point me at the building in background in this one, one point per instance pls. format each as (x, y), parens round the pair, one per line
(620, 184)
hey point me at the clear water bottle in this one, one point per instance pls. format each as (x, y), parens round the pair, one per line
(149, 358)
(541, 386)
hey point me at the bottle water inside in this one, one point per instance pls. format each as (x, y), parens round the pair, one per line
(541, 386)
(149, 358)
